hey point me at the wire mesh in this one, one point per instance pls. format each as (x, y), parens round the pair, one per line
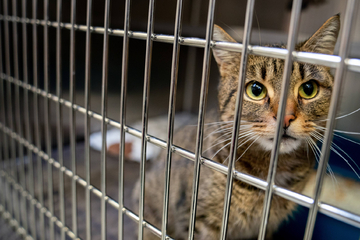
(19, 204)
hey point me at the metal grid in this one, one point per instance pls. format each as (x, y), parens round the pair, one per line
(15, 193)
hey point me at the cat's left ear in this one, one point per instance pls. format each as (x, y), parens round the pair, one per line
(324, 39)
(222, 56)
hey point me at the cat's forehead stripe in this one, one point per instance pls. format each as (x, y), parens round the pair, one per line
(263, 72)
(301, 70)
(274, 66)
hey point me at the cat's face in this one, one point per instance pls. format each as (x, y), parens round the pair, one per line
(308, 97)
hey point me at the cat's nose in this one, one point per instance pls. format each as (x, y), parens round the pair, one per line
(287, 120)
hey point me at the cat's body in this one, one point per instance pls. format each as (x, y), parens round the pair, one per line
(259, 115)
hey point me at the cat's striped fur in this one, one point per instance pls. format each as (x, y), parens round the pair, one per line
(258, 126)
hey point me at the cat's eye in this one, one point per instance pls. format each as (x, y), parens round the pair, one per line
(256, 90)
(308, 90)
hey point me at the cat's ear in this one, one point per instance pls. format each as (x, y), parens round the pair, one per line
(324, 39)
(222, 56)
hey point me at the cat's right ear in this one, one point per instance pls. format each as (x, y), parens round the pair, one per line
(324, 39)
(222, 56)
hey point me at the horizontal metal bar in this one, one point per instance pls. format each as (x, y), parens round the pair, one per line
(71, 175)
(353, 64)
(36, 203)
(337, 213)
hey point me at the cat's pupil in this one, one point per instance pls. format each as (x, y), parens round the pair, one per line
(308, 88)
(256, 89)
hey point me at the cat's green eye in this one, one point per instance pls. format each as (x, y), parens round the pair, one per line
(256, 90)
(308, 90)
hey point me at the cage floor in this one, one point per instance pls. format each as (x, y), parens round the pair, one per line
(131, 175)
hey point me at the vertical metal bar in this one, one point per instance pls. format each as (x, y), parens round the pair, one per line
(72, 116)
(6, 163)
(103, 115)
(36, 121)
(15, 209)
(2, 183)
(191, 60)
(87, 118)
(59, 127)
(27, 121)
(338, 83)
(18, 117)
(292, 38)
(201, 116)
(238, 109)
(124, 77)
(145, 106)
(171, 115)
(47, 118)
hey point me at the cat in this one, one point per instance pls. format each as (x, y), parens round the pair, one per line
(307, 104)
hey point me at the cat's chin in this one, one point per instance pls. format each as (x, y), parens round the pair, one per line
(288, 144)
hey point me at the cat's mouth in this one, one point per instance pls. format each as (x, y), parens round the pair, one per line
(285, 137)
(288, 143)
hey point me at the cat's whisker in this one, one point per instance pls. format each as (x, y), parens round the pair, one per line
(317, 152)
(224, 130)
(242, 135)
(339, 131)
(333, 148)
(241, 143)
(220, 122)
(217, 143)
(221, 149)
(219, 130)
(347, 162)
(245, 141)
(343, 116)
(247, 148)
(340, 155)
(345, 138)
(217, 127)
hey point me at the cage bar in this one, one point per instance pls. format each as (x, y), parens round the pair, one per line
(103, 114)
(36, 204)
(21, 170)
(303, 200)
(36, 121)
(237, 119)
(59, 124)
(292, 38)
(12, 161)
(332, 61)
(87, 118)
(171, 116)
(79, 180)
(47, 119)
(12, 177)
(124, 79)
(145, 106)
(72, 116)
(201, 116)
(30, 178)
(338, 83)
(7, 204)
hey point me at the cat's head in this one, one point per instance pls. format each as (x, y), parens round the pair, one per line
(308, 97)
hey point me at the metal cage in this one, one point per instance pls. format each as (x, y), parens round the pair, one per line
(18, 202)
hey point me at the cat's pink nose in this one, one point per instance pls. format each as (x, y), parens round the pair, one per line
(287, 120)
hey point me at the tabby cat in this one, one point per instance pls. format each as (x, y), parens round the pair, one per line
(307, 104)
